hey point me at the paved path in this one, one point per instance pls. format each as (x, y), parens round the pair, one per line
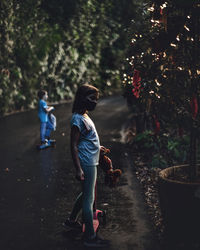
(37, 189)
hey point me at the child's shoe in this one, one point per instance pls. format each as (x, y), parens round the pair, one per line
(95, 242)
(43, 145)
(68, 224)
(51, 141)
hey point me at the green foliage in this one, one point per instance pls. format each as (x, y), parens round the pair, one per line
(158, 161)
(177, 149)
(166, 56)
(146, 141)
(58, 45)
(163, 73)
(163, 150)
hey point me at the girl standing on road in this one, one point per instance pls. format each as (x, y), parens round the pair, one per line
(85, 150)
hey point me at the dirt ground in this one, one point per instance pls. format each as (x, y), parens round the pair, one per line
(38, 188)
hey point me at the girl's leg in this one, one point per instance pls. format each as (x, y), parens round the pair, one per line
(95, 198)
(77, 208)
(49, 128)
(90, 175)
(72, 221)
(47, 134)
(42, 131)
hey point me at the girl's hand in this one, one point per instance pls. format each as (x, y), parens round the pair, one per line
(80, 175)
(104, 150)
(49, 109)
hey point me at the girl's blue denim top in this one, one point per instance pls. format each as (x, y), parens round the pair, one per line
(89, 145)
(42, 105)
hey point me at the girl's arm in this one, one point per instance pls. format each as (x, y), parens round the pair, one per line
(75, 136)
(49, 109)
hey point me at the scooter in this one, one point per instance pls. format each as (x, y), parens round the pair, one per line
(99, 218)
(47, 144)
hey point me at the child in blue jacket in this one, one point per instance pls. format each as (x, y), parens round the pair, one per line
(47, 119)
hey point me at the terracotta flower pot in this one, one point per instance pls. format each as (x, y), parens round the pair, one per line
(180, 205)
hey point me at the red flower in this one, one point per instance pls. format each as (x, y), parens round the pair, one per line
(180, 131)
(157, 125)
(194, 106)
(136, 83)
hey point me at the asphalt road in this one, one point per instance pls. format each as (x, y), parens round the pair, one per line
(38, 188)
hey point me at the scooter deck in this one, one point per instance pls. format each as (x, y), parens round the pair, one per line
(95, 225)
(98, 215)
(44, 146)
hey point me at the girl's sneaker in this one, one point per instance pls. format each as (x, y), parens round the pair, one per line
(51, 141)
(96, 242)
(68, 224)
(43, 145)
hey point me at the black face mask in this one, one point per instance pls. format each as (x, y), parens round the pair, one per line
(90, 104)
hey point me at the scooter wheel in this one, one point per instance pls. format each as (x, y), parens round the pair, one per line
(38, 147)
(102, 217)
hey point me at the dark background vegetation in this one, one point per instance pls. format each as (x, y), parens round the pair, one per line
(161, 82)
(58, 45)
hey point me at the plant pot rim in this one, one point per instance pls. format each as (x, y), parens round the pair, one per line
(163, 174)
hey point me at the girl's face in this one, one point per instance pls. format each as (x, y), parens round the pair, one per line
(93, 97)
(45, 96)
(91, 101)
